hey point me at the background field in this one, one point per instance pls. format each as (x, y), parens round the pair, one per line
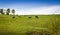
(22, 24)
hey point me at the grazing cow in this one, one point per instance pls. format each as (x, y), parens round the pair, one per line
(13, 17)
(36, 17)
(29, 17)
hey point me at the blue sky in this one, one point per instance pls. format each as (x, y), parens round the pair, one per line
(30, 2)
(31, 6)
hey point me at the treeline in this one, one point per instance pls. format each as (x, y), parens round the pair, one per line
(7, 12)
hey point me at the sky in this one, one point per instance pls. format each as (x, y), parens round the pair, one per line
(32, 7)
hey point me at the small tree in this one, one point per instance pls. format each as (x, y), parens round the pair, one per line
(8, 11)
(13, 11)
(1, 11)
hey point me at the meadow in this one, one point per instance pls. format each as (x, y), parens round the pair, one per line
(22, 24)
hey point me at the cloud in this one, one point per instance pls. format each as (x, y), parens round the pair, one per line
(21, 10)
(40, 10)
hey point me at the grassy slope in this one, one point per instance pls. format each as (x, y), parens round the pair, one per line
(22, 24)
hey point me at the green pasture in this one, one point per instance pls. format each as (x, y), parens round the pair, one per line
(22, 24)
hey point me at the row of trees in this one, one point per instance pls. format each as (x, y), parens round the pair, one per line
(7, 11)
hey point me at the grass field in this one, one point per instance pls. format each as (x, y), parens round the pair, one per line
(20, 25)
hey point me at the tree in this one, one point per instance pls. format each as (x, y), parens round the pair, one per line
(13, 11)
(1, 11)
(8, 11)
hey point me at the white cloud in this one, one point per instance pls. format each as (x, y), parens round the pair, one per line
(35, 10)
(40, 10)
